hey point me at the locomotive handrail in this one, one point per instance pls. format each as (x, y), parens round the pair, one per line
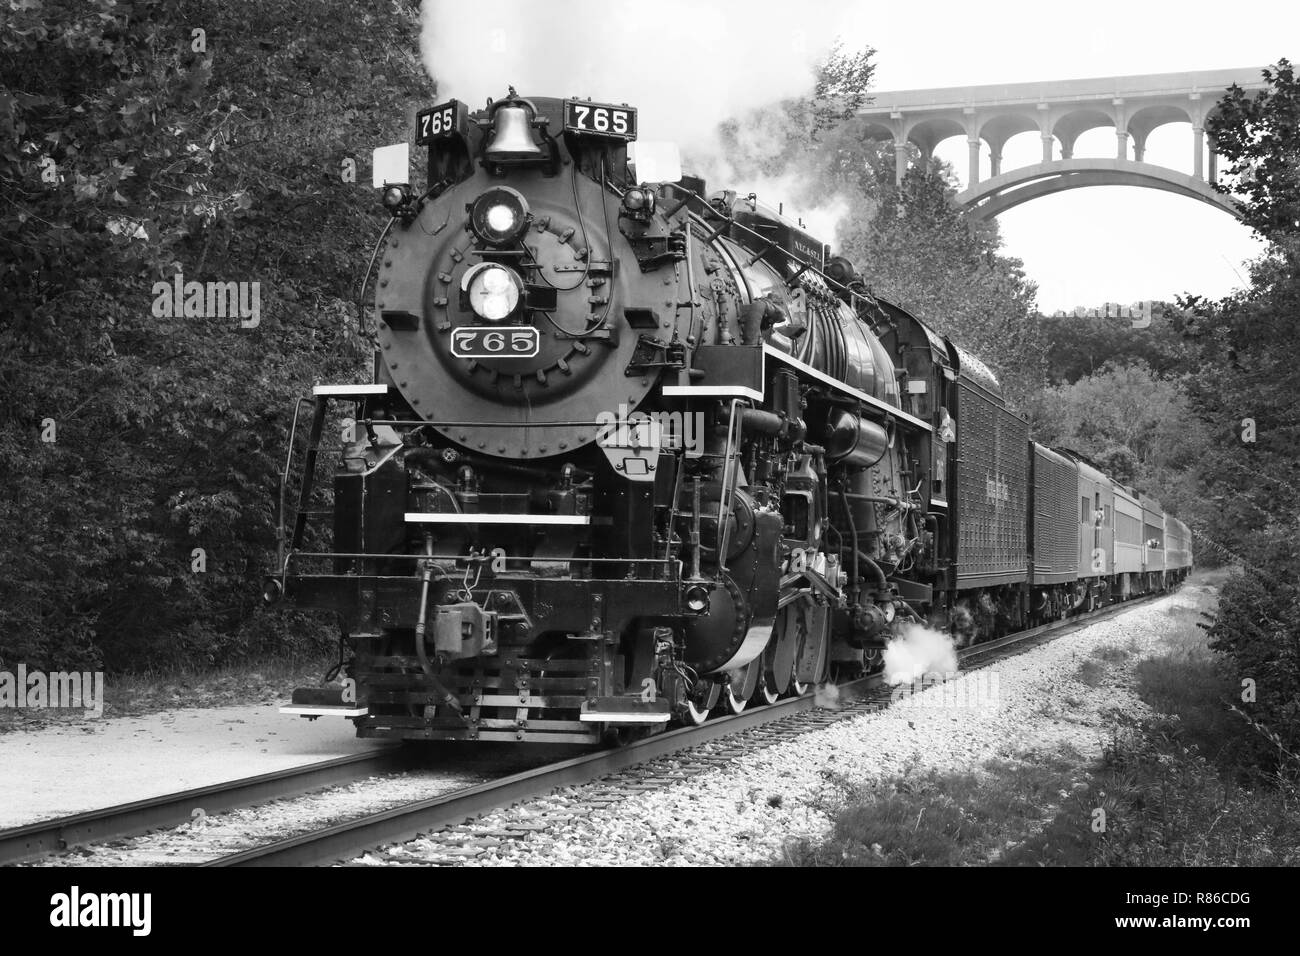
(671, 565)
(477, 559)
(478, 424)
(734, 426)
(284, 481)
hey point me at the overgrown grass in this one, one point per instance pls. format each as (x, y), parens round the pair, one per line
(936, 819)
(1092, 673)
(1173, 790)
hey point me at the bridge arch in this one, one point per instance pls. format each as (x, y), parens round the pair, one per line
(995, 196)
(1148, 119)
(1073, 124)
(926, 134)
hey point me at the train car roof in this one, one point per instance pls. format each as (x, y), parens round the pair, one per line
(970, 366)
(1048, 452)
(1150, 504)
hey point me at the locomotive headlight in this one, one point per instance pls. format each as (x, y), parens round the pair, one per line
(394, 198)
(494, 290)
(499, 216)
(501, 219)
(638, 203)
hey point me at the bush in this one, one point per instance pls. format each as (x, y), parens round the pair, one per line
(1258, 627)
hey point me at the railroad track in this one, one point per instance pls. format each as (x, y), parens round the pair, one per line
(131, 819)
(702, 748)
(711, 744)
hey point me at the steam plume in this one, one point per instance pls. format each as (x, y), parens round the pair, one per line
(916, 652)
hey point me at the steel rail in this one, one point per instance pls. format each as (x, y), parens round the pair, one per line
(131, 819)
(353, 838)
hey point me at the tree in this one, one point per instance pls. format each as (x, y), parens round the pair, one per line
(914, 245)
(1259, 134)
(1076, 347)
(132, 148)
(917, 247)
(1137, 426)
(1245, 391)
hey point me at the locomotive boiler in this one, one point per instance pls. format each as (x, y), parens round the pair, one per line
(628, 453)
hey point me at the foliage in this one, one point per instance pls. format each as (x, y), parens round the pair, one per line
(841, 88)
(1138, 427)
(914, 245)
(1245, 391)
(131, 149)
(776, 139)
(1079, 346)
(917, 248)
(1260, 136)
(1181, 788)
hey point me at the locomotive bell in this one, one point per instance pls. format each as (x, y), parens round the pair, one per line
(512, 138)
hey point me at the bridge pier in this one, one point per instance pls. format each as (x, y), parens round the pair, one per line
(1198, 152)
(973, 146)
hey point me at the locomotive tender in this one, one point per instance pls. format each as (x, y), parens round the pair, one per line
(632, 452)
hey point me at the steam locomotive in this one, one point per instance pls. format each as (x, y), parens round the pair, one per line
(632, 452)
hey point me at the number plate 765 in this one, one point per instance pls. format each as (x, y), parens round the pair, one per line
(495, 343)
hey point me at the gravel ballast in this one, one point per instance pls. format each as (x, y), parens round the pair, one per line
(746, 810)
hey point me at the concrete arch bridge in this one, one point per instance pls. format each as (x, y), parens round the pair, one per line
(1060, 112)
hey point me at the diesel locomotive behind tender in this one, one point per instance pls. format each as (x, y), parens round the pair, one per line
(631, 453)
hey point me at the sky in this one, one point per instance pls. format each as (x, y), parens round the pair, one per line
(723, 57)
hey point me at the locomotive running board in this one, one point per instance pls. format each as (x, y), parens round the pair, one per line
(712, 391)
(424, 517)
(322, 702)
(624, 711)
(351, 391)
(324, 710)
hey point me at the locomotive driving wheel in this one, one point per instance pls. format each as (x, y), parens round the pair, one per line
(766, 694)
(781, 655)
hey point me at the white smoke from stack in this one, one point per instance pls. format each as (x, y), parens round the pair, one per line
(919, 651)
(686, 67)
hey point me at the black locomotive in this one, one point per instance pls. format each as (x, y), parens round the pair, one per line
(633, 451)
